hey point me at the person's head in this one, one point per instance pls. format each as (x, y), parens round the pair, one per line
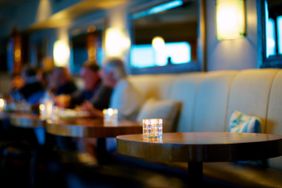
(17, 81)
(43, 77)
(113, 70)
(90, 75)
(47, 64)
(29, 74)
(58, 77)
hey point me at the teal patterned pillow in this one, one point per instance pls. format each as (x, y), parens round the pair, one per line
(243, 123)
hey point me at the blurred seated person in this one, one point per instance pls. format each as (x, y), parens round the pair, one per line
(61, 83)
(44, 77)
(91, 81)
(115, 89)
(32, 90)
(60, 86)
(47, 65)
(17, 82)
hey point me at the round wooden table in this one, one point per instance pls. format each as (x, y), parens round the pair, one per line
(29, 121)
(91, 131)
(91, 128)
(198, 147)
(26, 120)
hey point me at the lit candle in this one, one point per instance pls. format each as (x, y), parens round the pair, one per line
(49, 108)
(152, 128)
(110, 116)
(42, 111)
(46, 110)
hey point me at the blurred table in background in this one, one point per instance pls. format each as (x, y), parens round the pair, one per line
(92, 134)
(26, 120)
(91, 128)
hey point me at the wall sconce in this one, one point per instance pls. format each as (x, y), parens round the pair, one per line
(159, 47)
(158, 43)
(116, 42)
(61, 53)
(230, 19)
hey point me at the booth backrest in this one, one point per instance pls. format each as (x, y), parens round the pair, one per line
(250, 93)
(203, 97)
(212, 101)
(208, 99)
(188, 87)
(274, 114)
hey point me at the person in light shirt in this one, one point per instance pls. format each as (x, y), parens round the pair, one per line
(115, 89)
(116, 92)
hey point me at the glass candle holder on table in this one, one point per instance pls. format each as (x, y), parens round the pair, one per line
(46, 110)
(152, 128)
(110, 116)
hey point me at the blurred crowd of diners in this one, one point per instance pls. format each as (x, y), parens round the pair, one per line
(34, 86)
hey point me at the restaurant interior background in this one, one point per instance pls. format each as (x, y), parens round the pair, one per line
(32, 31)
(169, 37)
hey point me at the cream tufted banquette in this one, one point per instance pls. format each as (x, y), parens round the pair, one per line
(208, 99)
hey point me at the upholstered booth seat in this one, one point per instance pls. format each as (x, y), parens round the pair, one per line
(207, 102)
(230, 174)
(244, 175)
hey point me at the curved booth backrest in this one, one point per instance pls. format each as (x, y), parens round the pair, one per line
(209, 99)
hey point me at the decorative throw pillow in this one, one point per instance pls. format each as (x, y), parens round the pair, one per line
(242, 123)
(168, 110)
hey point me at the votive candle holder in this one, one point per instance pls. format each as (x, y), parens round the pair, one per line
(152, 128)
(2, 104)
(110, 116)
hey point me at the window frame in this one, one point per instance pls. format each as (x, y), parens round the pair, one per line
(192, 66)
(274, 61)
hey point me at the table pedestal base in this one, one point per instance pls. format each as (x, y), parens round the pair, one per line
(195, 172)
